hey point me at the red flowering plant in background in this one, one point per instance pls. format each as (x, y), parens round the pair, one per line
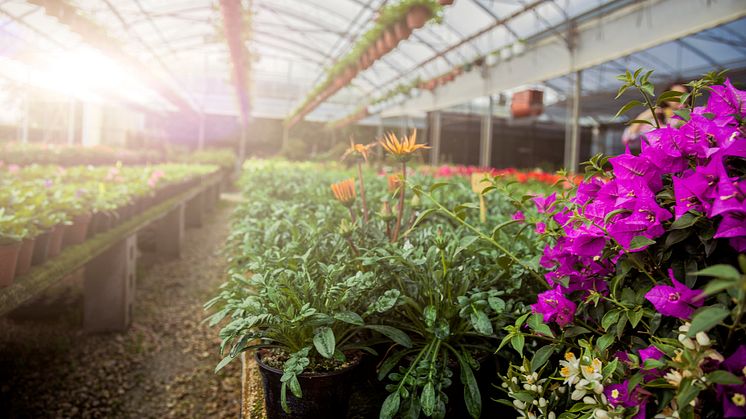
(645, 270)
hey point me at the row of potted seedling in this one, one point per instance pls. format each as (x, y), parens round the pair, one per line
(44, 209)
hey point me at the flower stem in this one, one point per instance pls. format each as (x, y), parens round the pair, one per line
(400, 210)
(362, 192)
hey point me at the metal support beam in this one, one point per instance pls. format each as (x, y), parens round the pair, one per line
(71, 122)
(574, 150)
(485, 137)
(665, 20)
(201, 133)
(434, 129)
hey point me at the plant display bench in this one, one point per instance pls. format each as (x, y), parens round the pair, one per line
(108, 260)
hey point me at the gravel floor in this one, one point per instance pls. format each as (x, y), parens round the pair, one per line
(161, 367)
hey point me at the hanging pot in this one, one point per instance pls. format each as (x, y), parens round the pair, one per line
(41, 246)
(325, 395)
(401, 30)
(75, 233)
(25, 253)
(389, 38)
(445, 2)
(417, 16)
(8, 262)
(382, 47)
(55, 240)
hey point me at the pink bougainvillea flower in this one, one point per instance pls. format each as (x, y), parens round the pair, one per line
(651, 352)
(555, 307)
(519, 216)
(541, 228)
(544, 204)
(675, 301)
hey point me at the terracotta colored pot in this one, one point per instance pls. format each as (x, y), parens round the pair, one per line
(381, 47)
(402, 31)
(389, 37)
(8, 262)
(75, 233)
(55, 240)
(25, 254)
(417, 16)
(41, 246)
(445, 2)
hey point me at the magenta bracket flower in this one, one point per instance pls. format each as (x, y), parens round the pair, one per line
(676, 301)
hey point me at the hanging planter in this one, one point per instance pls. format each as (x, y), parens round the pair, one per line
(445, 2)
(381, 47)
(417, 16)
(401, 30)
(390, 39)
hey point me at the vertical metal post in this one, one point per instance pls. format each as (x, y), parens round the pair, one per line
(435, 120)
(71, 122)
(485, 141)
(285, 135)
(26, 115)
(575, 127)
(201, 135)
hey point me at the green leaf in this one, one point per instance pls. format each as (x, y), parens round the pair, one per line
(324, 341)
(639, 242)
(717, 285)
(437, 185)
(635, 316)
(723, 377)
(427, 399)
(629, 105)
(392, 333)
(609, 319)
(541, 357)
(706, 318)
(640, 121)
(684, 113)
(390, 406)
(687, 393)
(497, 304)
(669, 96)
(517, 342)
(223, 363)
(390, 363)
(472, 397)
(536, 323)
(481, 322)
(685, 221)
(349, 317)
(424, 214)
(430, 314)
(720, 271)
(604, 342)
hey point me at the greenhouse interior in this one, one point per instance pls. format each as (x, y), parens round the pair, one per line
(384, 209)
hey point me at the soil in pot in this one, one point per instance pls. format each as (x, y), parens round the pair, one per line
(41, 245)
(55, 240)
(24, 257)
(76, 232)
(417, 16)
(8, 262)
(326, 394)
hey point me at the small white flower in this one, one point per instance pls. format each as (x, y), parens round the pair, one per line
(703, 339)
(519, 404)
(687, 342)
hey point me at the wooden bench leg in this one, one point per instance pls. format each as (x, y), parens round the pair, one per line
(194, 211)
(170, 233)
(109, 287)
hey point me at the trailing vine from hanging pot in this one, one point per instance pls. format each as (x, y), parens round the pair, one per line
(394, 24)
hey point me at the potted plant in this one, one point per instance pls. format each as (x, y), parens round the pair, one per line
(10, 244)
(402, 30)
(417, 16)
(308, 326)
(390, 38)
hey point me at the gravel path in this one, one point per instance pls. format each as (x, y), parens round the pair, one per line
(161, 367)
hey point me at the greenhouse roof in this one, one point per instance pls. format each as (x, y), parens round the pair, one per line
(173, 54)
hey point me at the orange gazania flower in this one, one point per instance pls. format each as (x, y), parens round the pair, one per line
(394, 182)
(344, 191)
(401, 149)
(360, 150)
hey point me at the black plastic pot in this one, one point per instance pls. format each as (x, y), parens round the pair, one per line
(40, 249)
(325, 395)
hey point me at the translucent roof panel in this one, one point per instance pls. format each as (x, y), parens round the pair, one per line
(177, 49)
